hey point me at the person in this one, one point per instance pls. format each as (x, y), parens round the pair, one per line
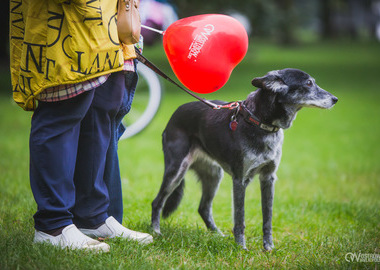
(65, 57)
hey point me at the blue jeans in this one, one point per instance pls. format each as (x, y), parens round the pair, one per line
(112, 170)
(68, 144)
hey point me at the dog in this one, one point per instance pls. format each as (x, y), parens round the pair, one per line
(244, 141)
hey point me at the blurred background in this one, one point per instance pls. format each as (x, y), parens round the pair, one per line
(286, 22)
(290, 22)
(280, 22)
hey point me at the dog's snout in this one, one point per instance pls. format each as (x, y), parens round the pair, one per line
(334, 100)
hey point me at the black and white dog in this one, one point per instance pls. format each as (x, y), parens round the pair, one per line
(244, 141)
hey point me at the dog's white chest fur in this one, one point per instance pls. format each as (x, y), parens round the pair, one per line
(255, 161)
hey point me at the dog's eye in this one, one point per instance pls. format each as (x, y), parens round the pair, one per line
(309, 83)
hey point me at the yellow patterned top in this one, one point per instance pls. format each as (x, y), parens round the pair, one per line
(55, 42)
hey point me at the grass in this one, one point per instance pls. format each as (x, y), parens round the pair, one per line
(327, 197)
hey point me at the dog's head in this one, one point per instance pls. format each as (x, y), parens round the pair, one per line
(295, 87)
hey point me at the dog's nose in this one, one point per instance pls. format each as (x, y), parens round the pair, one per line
(334, 100)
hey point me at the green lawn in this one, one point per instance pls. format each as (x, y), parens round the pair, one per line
(327, 196)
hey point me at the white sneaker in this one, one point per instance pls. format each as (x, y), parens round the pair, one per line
(71, 238)
(112, 228)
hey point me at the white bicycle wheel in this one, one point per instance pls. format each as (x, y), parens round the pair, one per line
(145, 103)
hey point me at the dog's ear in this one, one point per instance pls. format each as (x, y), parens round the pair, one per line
(272, 81)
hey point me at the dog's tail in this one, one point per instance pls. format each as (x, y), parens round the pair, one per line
(173, 200)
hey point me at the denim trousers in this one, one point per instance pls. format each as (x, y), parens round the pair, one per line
(69, 141)
(112, 171)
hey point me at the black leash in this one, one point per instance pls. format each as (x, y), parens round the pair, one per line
(150, 65)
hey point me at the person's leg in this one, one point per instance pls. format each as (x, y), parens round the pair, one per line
(112, 171)
(92, 196)
(112, 178)
(53, 150)
(90, 210)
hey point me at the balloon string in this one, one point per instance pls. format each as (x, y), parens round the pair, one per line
(152, 29)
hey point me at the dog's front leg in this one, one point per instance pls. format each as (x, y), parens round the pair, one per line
(267, 194)
(239, 223)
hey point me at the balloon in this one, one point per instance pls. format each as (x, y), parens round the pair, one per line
(203, 50)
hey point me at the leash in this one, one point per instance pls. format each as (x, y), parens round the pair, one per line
(248, 116)
(150, 65)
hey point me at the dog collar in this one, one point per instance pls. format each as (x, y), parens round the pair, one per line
(250, 118)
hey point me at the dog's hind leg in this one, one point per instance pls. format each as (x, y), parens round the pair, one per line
(177, 161)
(171, 185)
(210, 175)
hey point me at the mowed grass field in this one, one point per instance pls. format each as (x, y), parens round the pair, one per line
(327, 198)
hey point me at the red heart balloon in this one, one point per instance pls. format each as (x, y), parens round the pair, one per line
(203, 50)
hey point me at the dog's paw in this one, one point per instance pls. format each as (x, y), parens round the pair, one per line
(268, 246)
(268, 243)
(156, 232)
(241, 242)
(217, 231)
